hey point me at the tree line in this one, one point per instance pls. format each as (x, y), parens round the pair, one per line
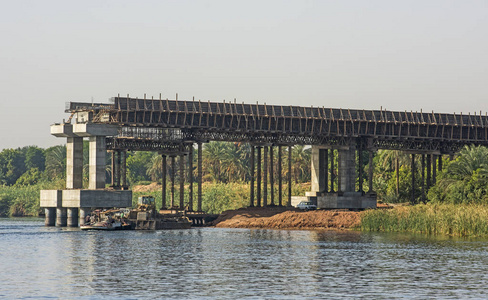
(462, 180)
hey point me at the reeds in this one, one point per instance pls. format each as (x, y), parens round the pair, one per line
(446, 219)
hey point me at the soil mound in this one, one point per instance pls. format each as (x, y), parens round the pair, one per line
(286, 218)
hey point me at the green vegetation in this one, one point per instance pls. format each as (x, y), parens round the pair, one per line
(448, 219)
(457, 203)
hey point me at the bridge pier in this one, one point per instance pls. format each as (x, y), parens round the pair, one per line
(164, 168)
(349, 169)
(251, 198)
(265, 176)
(200, 172)
(67, 202)
(271, 174)
(280, 177)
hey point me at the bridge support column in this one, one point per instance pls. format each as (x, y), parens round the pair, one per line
(83, 213)
(164, 170)
(72, 217)
(182, 182)
(172, 181)
(265, 176)
(74, 163)
(271, 174)
(280, 177)
(332, 175)
(50, 216)
(199, 199)
(97, 162)
(434, 169)
(318, 170)
(370, 171)
(190, 178)
(440, 163)
(289, 176)
(259, 178)
(251, 201)
(422, 174)
(429, 170)
(347, 170)
(112, 168)
(412, 165)
(61, 217)
(360, 169)
(118, 168)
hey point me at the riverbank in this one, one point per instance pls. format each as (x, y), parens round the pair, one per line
(288, 218)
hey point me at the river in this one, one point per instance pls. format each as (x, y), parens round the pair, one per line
(48, 262)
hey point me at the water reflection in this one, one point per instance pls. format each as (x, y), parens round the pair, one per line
(236, 263)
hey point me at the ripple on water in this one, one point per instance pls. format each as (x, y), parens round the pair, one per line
(235, 263)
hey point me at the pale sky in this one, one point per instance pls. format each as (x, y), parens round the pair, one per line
(401, 55)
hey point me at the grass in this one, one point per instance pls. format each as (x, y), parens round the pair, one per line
(446, 219)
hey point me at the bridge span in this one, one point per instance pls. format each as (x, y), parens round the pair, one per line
(173, 127)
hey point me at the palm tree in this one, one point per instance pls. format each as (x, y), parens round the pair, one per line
(56, 161)
(154, 167)
(396, 158)
(301, 162)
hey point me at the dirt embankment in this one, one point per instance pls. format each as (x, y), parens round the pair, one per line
(283, 218)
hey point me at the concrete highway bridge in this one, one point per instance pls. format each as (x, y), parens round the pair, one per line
(173, 127)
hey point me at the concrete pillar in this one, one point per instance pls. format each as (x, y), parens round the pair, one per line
(289, 176)
(271, 174)
(72, 217)
(200, 172)
(280, 177)
(74, 163)
(422, 174)
(370, 175)
(265, 176)
(429, 170)
(164, 168)
(182, 181)
(251, 201)
(97, 162)
(259, 178)
(440, 163)
(61, 217)
(412, 164)
(123, 174)
(50, 216)
(347, 170)
(173, 181)
(360, 168)
(318, 170)
(83, 213)
(434, 168)
(118, 168)
(112, 169)
(326, 171)
(190, 178)
(332, 175)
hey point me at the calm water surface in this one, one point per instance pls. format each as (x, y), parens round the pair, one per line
(39, 262)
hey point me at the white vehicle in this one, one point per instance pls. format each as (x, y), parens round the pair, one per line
(306, 205)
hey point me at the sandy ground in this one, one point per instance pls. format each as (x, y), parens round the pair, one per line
(283, 218)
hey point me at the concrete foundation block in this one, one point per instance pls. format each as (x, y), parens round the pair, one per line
(50, 216)
(51, 198)
(97, 198)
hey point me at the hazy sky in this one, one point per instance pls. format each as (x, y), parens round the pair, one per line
(402, 55)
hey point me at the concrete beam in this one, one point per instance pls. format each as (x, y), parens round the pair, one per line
(90, 129)
(62, 130)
